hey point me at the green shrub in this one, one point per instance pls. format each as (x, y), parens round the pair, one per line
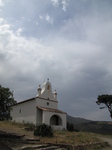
(43, 130)
(70, 127)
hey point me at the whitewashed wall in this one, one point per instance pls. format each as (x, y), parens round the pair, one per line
(46, 119)
(46, 103)
(24, 112)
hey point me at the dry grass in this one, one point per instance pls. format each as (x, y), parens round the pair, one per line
(13, 127)
(60, 137)
(71, 138)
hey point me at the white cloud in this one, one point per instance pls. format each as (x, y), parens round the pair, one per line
(1, 3)
(41, 17)
(19, 31)
(55, 2)
(64, 5)
(48, 19)
(20, 51)
(22, 60)
(37, 23)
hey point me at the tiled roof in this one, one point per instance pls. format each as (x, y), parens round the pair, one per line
(50, 109)
(24, 101)
(34, 98)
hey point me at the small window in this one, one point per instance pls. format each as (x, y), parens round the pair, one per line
(20, 111)
(47, 103)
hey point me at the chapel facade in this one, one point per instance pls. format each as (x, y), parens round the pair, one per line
(41, 109)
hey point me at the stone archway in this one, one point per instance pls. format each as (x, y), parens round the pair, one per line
(56, 120)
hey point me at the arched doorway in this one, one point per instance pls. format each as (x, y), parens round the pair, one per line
(56, 120)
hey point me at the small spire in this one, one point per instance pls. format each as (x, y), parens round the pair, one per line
(55, 94)
(39, 89)
(47, 79)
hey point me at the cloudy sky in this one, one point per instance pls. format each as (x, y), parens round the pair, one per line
(67, 41)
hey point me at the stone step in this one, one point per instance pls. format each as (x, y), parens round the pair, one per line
(49, 148)
(41, 147)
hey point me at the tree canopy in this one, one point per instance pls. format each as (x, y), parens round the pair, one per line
(6, 100)
(107, 100)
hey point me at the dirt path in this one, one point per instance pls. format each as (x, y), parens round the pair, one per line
(109, 140)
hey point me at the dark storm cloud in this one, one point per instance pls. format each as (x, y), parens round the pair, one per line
(68, 42)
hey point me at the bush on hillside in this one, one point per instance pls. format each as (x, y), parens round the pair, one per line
(70, 127)
(43, 130)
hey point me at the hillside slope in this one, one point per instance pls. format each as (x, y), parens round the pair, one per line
(82, 124)
(77, 120)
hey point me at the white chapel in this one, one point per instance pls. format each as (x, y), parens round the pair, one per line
(41, 109)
